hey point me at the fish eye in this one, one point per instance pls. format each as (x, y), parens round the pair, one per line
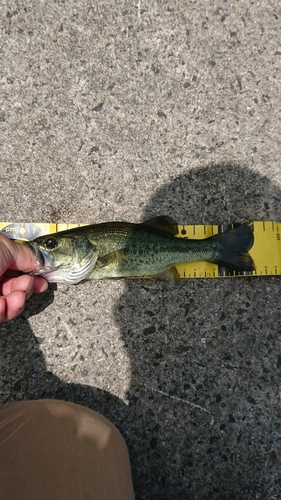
(51, 243)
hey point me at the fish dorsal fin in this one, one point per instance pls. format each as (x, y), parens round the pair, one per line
(170, 275)
(163, 222)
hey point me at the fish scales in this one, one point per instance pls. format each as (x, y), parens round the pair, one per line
(148, 254)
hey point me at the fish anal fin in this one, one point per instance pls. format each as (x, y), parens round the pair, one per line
(112, 257)
(163, 222)
(170, 275)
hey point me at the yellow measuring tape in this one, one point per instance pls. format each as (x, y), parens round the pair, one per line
(266, 251)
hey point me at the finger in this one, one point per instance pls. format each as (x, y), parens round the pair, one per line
(2, 309)
(15, 256)
(12, 305)
(19, 290)
(40, 285)
(28, 284)
(22, 283)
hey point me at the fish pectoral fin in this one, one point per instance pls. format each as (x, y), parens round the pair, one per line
(165, 223)
(170, 275)
(112, 257)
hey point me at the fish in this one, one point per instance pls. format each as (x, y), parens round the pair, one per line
(126, 250)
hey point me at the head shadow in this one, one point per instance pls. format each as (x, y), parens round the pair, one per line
(203, 354)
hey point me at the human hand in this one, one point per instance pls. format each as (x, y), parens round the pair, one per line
(16, 288)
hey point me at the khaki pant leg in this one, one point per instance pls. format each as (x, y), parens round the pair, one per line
(54, 450)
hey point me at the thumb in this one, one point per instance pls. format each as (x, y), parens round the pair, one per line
(15, 256)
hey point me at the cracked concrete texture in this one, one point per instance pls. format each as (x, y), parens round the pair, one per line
(121, 111)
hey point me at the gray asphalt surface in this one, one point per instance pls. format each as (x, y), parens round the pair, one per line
(123, 111)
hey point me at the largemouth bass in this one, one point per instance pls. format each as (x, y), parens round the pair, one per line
(123, 249)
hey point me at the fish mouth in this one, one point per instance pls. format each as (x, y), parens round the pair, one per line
(43, 262)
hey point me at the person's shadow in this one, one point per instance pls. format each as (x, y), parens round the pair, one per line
(205, 359)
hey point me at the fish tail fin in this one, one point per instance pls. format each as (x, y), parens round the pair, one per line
(233, 247)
